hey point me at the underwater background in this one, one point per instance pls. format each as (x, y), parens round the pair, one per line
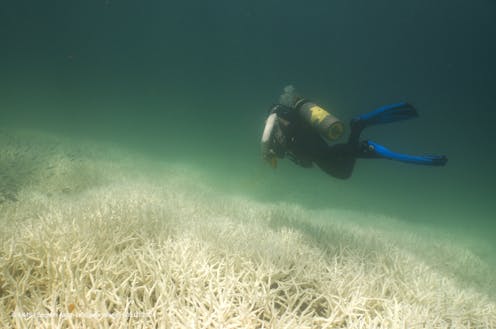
(190, 82)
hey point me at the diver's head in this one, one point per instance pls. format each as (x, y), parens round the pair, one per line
(289, 96)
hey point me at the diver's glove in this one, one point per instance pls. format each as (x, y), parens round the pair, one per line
(269, 156)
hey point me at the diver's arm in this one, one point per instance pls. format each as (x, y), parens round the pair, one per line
(267, 133)
(269, 126)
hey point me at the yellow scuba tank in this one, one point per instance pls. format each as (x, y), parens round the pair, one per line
(322, 121)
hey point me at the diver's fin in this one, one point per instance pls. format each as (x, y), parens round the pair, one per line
(385, 114)
(370, 149)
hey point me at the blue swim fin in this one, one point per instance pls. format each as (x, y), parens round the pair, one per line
(386, 114)
(370, 149)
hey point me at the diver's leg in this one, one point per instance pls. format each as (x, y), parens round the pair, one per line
(370, 150)
(338, 161)
(356, 128)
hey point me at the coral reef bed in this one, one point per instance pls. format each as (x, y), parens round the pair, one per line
(95, 238)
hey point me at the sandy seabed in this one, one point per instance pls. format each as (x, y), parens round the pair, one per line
(93, 237)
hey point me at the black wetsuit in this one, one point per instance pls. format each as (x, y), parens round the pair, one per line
(304, 146)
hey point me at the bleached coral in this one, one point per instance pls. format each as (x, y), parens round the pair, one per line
(162, 250)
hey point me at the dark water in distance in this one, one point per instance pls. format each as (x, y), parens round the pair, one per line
(192, 80)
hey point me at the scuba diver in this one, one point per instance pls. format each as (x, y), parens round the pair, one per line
(300, 129)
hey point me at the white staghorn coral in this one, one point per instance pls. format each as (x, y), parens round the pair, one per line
(159, 250)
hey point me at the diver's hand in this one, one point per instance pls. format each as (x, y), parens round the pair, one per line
(269, 156)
